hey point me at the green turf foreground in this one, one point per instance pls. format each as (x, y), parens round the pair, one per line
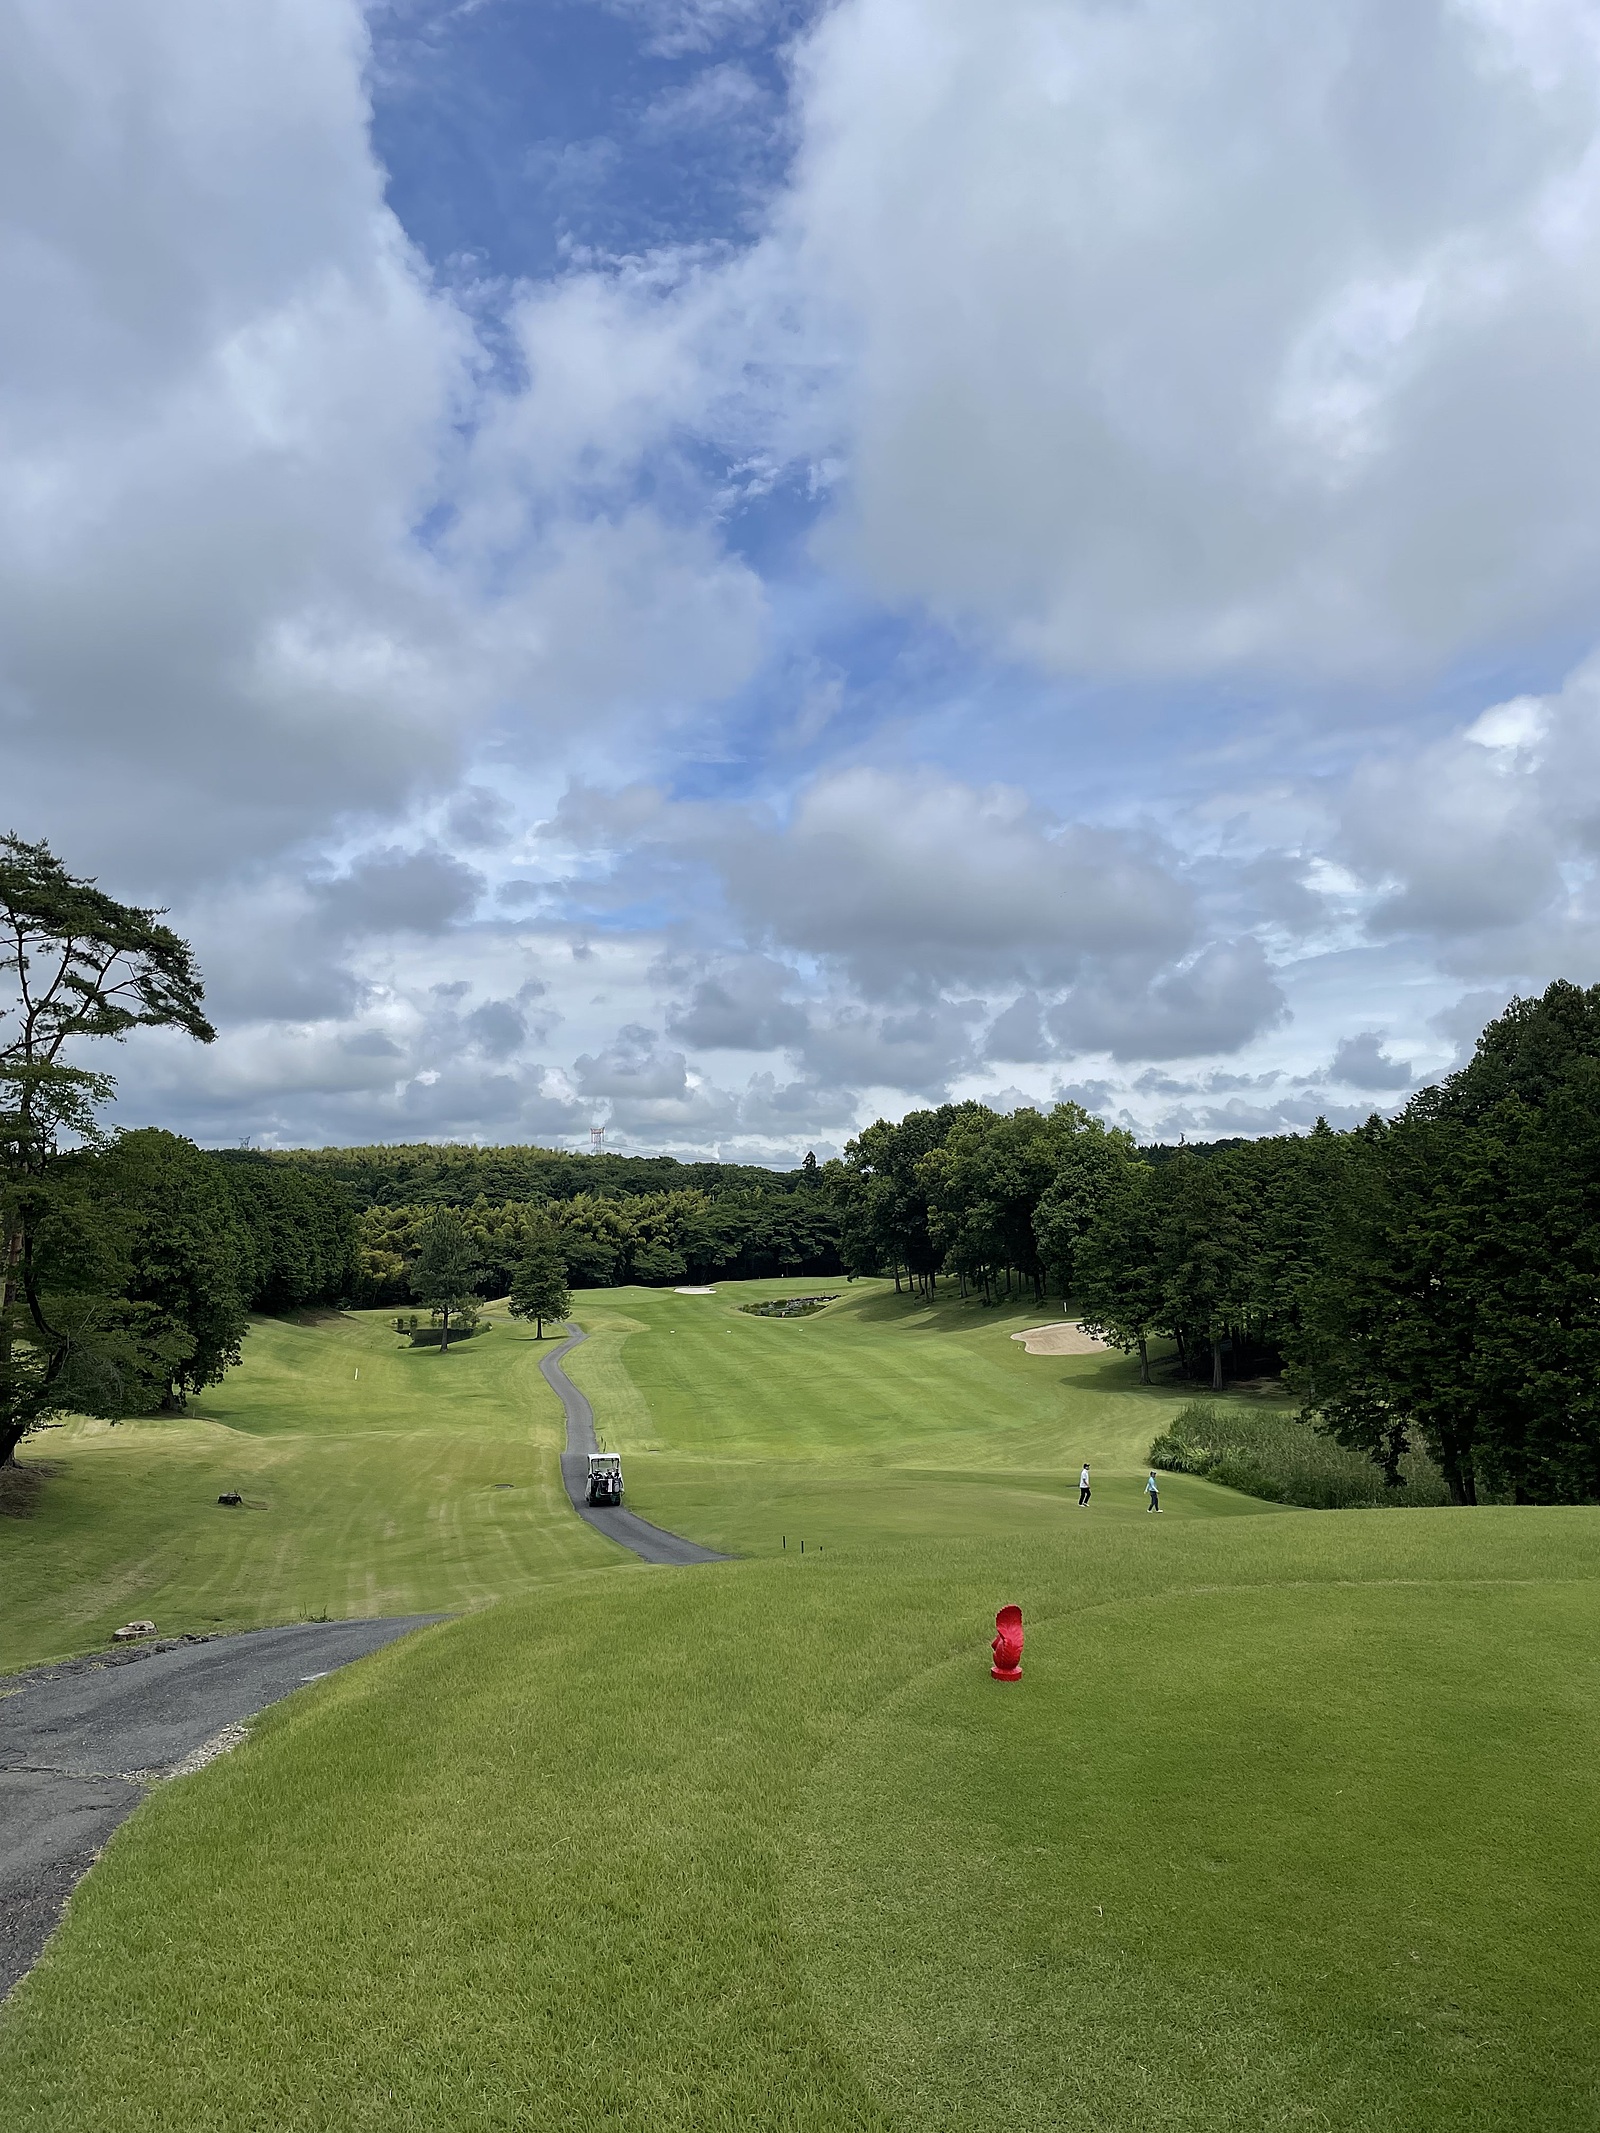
(1288, 1824)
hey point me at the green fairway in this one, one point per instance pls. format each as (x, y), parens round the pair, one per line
(378, 1479)
(384, 1479)
(881, 1418)
(1288, 1823)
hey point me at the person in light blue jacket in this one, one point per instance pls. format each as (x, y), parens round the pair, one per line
(1153, 1492)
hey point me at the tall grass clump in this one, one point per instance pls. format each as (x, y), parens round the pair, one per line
(1273, 1454)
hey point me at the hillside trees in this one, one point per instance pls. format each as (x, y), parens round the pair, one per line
(1014, 1193)
(994, 1198)
(880, 1191)
(1093, 1165)
(301, 1231)
(652, 1238)
(1210, 1257)
(74, 965)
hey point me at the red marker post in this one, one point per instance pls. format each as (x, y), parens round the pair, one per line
(1007, 1645)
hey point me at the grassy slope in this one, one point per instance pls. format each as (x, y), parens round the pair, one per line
(1287, 1825)
(369, 1494)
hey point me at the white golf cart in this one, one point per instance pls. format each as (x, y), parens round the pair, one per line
(605, 1478)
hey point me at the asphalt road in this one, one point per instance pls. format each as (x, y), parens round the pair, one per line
(623, 1526)
(82, 1741)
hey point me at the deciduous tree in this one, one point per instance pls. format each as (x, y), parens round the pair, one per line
(539, 1285)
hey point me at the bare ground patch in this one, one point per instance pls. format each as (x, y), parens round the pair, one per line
(22, 1486)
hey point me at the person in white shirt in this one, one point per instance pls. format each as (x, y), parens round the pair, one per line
(1083, 1487)
(1153, 1492)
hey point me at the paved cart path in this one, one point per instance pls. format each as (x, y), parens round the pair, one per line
(624, 1527)
(82, 1741)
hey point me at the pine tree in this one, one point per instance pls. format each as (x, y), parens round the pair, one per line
(74, 964)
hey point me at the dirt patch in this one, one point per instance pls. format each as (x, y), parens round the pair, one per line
(22, 1486)
(1059, 1339)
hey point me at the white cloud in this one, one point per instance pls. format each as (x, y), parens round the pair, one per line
(912, 879)
(1148, 338)
(1212, 1002)
(230, 400)
(1186, 338)
(226, 391)
(1486, 841)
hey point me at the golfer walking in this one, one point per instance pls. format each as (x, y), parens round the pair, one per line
(1083, 1487)
(1153, 1493)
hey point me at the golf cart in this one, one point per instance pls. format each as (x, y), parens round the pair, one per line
(605, 1478)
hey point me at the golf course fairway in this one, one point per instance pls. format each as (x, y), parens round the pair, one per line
(1288, 1824)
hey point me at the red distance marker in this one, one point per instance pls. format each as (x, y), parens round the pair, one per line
(1007, 1646)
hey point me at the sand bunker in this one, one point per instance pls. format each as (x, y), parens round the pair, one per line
(694, 1292)
(1059, 1339)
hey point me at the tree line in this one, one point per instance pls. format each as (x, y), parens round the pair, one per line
(1425, 1284)
(455, 1175)
(651, 1238)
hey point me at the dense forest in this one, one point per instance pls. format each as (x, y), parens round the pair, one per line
(422, 1175)
(654, 1238)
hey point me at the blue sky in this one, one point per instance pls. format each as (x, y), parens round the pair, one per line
(721, 568)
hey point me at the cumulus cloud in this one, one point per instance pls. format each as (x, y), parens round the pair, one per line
(394, 890)
(478, 817)
(1484, 842)
(216, 435)
(1184, 338)
(739, 1004)
(903, 879)
(1360, 1062)
(920, 1049)
(1018, 1034)
(913, 900)
(1214, 1002)
(912, 880)
(784, 1109)
(1164, 339)
(275, 546)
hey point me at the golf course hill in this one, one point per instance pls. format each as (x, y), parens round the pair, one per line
(1288, 1822)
